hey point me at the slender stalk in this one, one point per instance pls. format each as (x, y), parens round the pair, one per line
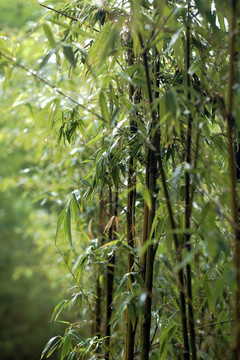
(145, 223)
(109, 284)
(151, 177)
(195, 164)
(232, 173)
(130, 330)
(188, 195)
(113, 211)
(97, 322)
(145, 343)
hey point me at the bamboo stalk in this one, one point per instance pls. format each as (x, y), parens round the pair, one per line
(130, 330)
(232, 173)
(145, 222)
(110, 279)
(188, 195)
(97, 322)
(151, 177)
(145, 342)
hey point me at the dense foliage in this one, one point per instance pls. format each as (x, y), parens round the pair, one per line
(128, 116)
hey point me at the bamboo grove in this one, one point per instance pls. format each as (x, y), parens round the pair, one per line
(144, 94)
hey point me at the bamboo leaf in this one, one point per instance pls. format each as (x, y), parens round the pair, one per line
(122, 285)
(49, 348)
(95, 54)
(54, 347)
(179, 52)
(68, 52)
(66, 345)
(49, 34)
(58, 309)
(167, 334)
(173, 40)
(104, 107)
(60, 222)
(67, 223)
(74, 29)
(85, 182)
(171, 102)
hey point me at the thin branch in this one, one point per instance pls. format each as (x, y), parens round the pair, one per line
(59, 12)
(72, 273)
(52, 86)
(66, 15)
(215, 323)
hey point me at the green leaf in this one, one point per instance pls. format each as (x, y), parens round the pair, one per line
(68, 52)
(53, 44)
(82, 51)
(138, 278)
(171, 102)
(49, 344)
(95, 56)
(179, 52)
(67, 224)
(167, 334)
(104, 107)
(8, 74)
(85, 182)
(173, 40)
(49, 34)
(210, 296)
(58, 309)
(64, 219)
(60, 222)
(46, 58)
(66, 345)
(111, 43)
(74, 29)
(132, 313)
(122, 285)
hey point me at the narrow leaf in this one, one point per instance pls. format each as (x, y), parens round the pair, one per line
(48, 345)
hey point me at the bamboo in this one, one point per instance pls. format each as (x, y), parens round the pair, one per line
(145, 342)
(130, 330)
(52, 86)
(97, 322)
(151, 177)
(110, 279)
(232, 173)
(145, 223)
(188, 196)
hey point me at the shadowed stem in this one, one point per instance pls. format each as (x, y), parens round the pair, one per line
(156, 143)
(188, 195)
(232, 169)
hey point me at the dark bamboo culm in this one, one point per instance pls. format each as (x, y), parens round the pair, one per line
(131, 200)
(151, 180)
(232, 173)
(113, 212)
(151, 169)
(188, 194)
(98, 314)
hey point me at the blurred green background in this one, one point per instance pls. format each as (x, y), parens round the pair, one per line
(16, 13)
(29, 286)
